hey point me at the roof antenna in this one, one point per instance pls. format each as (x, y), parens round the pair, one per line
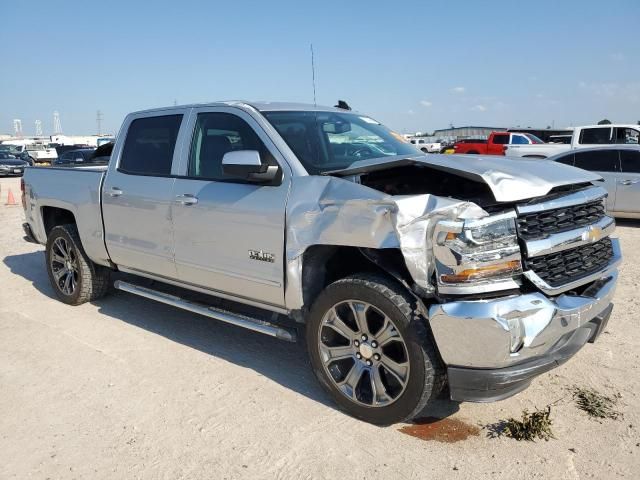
(313, 76)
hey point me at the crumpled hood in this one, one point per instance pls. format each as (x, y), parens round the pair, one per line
(510, 179)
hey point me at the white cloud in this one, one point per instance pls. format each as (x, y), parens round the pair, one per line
(479, 108)
(410, 112)
(539, 95)
(458, 90)
(425, 103)
(617, 57)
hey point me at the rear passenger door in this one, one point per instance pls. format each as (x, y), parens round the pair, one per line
(628, 193)
(229, 233)
(137, 194)
(606, 163)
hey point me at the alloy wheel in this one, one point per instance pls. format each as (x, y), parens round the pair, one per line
(64, 266)
(364, 353)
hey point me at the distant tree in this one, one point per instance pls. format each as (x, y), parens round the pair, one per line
(604, 122)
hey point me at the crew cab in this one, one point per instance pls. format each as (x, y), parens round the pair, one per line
(406, 272)
(590, 136)
(496, 144)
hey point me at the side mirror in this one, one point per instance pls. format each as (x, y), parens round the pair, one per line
(246, 164)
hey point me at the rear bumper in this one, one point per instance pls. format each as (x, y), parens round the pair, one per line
(489, 385)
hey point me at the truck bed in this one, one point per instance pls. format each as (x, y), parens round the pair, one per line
(77, 190)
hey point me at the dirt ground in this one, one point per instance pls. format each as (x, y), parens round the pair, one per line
(127, 388)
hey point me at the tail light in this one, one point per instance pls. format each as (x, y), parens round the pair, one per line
(22, 185)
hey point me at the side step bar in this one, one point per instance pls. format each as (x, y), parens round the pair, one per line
(257, 325)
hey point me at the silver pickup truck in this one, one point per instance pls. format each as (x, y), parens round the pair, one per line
(408, 273)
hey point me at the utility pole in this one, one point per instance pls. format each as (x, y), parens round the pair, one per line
(99, 121)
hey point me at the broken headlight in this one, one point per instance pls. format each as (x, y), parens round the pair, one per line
(476, 256)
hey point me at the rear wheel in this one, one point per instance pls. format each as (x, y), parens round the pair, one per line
(74, 277)
(372, 350)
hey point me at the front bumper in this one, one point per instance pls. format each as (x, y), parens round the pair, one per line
(490, 385)
(475, 337)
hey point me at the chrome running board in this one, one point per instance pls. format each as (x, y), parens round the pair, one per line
(255, 324)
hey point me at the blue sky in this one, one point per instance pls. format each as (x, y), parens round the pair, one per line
(412, 65)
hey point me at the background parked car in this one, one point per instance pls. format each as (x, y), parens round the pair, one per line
(496, 144)
(10, 165)
(18, 153)
(620, 168)
(425, 145)
(79, 157)
(582, 137)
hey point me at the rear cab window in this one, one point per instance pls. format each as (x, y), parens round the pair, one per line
(502, 139)
(149, 146)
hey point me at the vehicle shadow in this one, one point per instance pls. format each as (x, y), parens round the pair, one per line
(283, 362)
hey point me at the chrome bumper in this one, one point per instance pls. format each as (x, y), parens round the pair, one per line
(475, 334)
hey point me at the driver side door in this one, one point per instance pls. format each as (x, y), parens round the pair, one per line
(229, 232)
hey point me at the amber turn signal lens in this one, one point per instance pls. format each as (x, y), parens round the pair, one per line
(482, 272)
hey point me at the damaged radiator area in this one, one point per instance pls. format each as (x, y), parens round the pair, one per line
(325, 210)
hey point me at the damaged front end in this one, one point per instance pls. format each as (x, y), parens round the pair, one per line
(515, 274)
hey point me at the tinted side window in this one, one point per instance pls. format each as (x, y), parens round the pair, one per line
(567, 159)
(626, 136)
(148, 149)
(598, 160)
(216, 134)
(519, 140)
(595, 136)
(630, 161)
(501, 139)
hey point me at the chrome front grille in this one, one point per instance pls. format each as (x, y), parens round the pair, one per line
(560, 268)
(538, 225)
(565, 240)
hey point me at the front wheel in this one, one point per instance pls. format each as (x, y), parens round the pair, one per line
(372, 350)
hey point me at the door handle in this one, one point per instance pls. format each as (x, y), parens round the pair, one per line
(115, 192)
(628, 181)
(186, 199)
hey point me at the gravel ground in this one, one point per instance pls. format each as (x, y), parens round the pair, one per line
(127, 388)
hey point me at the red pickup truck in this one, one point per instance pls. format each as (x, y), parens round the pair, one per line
(495, 144)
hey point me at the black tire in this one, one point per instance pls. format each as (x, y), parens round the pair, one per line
(472, 152)
(91, 280)
(426, 371)
(424, 150)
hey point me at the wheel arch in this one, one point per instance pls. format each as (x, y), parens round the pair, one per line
(55, 216)
(325, 264)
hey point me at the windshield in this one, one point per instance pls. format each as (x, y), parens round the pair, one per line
(325, 141)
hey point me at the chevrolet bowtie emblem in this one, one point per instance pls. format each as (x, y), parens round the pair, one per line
(592, 235)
